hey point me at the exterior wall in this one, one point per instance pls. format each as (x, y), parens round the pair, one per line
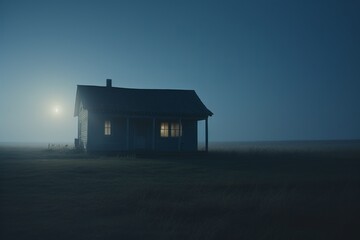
(139, 135)
(83, 127)
(98, 141)
(190, 136)
(187, 142)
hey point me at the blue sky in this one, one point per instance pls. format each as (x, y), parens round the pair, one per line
(269, 70)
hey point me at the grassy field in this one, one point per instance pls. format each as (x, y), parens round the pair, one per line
(247, 194)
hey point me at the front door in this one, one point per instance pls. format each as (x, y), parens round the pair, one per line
(142, 135)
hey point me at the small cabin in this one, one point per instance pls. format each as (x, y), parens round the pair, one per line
(133, 120)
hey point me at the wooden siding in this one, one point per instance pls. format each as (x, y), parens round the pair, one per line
(98, 141)
(136, 116)
(130, 133)
(83, 127)
(187, 142)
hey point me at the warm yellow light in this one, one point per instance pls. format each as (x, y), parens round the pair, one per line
(56, 110)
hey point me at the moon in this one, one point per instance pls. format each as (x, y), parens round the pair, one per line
(56, 110)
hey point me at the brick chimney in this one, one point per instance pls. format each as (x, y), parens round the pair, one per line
(108, 83)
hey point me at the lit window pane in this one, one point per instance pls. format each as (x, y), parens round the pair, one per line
(176, 129)
(107, 129)
(164, 129)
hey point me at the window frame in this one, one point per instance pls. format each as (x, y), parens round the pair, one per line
(170, 129)
(176, 129)
(164, 129)
(107, 128)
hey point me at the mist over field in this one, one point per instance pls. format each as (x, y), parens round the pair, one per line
(288, 146)
(280, 77)
(284, 70)
(239, 191)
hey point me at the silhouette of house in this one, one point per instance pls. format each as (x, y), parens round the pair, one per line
(124, 119)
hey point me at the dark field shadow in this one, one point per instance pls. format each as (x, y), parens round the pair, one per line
(241, 193)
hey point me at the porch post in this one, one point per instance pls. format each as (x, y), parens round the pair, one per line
(153, 134)
(180, 135)
(127, 134)
(206, 135)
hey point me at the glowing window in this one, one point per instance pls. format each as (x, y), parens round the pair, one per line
(164, 129)
(176, 129)
(107, 129)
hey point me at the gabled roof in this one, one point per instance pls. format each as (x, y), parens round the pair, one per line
(163, 102)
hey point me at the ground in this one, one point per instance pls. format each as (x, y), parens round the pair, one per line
(62, 194)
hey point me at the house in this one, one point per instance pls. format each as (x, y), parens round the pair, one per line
(124, 119)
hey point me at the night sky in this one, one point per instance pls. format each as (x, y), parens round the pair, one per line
(268, 70)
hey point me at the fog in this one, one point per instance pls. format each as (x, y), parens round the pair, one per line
(268, 71)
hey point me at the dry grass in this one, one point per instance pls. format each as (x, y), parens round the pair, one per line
(222, 195)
